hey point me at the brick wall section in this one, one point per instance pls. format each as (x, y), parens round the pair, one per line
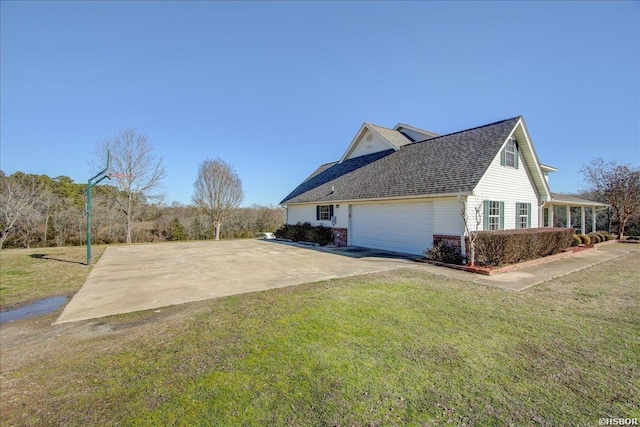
(340, 236)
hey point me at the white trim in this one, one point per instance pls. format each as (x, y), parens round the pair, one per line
(527, 165)
(428, 134)
(365, 126)
(384, 199)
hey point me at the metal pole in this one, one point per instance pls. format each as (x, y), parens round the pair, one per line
(89, 187)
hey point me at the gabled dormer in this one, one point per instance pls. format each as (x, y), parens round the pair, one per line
(373, 139)
(414, 133)
(518, 149)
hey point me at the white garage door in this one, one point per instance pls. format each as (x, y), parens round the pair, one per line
(406, 227)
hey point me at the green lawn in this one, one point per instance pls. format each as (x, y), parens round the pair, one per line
(395, 348)
(27, 275)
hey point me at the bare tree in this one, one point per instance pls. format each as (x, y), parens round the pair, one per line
(17, 200)
(617, 185)
(48, 203)
(472, 234)
(137, 171)
(217, 191)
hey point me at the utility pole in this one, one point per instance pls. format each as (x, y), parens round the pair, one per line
(105, 173)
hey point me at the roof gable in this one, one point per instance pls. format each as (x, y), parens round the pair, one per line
(532, 164)
(447, 164)
(416, 134)
(373, 139)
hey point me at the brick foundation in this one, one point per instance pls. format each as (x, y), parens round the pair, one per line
(340, 236)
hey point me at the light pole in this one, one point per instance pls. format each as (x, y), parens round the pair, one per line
(105, 173)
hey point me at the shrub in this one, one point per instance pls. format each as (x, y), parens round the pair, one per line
(586, 240)
(306, 233)
(495, 248)
(576, 240)
(442, 252)
(594, 238)
(607, 236)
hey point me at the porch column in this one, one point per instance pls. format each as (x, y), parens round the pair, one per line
(550, 215)
(593, 217)
(583, 226)
(568, 216)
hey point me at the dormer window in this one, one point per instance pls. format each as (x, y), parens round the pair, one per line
(509, 155)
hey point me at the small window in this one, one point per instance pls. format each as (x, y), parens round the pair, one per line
(509, 155)
(523, 215)
(546, 217)
(493, 215)
(324, 212)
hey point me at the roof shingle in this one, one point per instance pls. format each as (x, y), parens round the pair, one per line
(442, 165)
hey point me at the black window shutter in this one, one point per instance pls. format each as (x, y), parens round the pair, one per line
(318, 213)
(330, 211)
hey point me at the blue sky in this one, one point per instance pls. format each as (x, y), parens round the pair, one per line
(278, 88)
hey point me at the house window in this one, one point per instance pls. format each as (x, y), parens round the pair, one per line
(493, 215)
(523, 215)
(546, 217)
(509, 155)
(324, 212)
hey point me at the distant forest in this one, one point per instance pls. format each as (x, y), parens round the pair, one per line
(37, 211)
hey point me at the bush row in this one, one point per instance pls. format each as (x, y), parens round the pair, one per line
(497, 248)
(591, 238)
(306, 233)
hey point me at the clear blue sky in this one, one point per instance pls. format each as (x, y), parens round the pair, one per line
(278, 88)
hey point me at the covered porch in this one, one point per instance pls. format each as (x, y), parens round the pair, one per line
(587, 210)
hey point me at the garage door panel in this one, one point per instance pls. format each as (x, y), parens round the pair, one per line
(404, 227)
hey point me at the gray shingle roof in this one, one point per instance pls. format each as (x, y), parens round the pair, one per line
(442, 165)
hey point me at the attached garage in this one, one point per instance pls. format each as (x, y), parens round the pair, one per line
(397, 227)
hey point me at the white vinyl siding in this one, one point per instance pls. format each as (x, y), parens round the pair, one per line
(507, 185)
(308, 213)
(397, 227)
(367, 144)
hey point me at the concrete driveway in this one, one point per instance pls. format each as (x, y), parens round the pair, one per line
(142, 277)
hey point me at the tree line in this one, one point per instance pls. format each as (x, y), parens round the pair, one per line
(37, 210)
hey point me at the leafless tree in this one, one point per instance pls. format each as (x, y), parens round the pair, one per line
(217, 191)
(472, 234)
(17, 200)
(618, 185)
(47, 205)
(137, 171)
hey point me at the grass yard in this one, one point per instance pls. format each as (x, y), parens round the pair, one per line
(386, 349)
(27, 275)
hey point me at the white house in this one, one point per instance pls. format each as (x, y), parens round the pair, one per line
(399, 189)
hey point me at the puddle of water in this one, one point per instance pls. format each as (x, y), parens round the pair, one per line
(39, 308)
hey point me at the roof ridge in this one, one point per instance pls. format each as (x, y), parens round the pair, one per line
(466, 130)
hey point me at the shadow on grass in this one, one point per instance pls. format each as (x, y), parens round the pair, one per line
(45, 256)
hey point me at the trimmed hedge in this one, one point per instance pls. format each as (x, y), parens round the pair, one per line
(576, 240)
(497, 248)
(306, 233)
(586, 240)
